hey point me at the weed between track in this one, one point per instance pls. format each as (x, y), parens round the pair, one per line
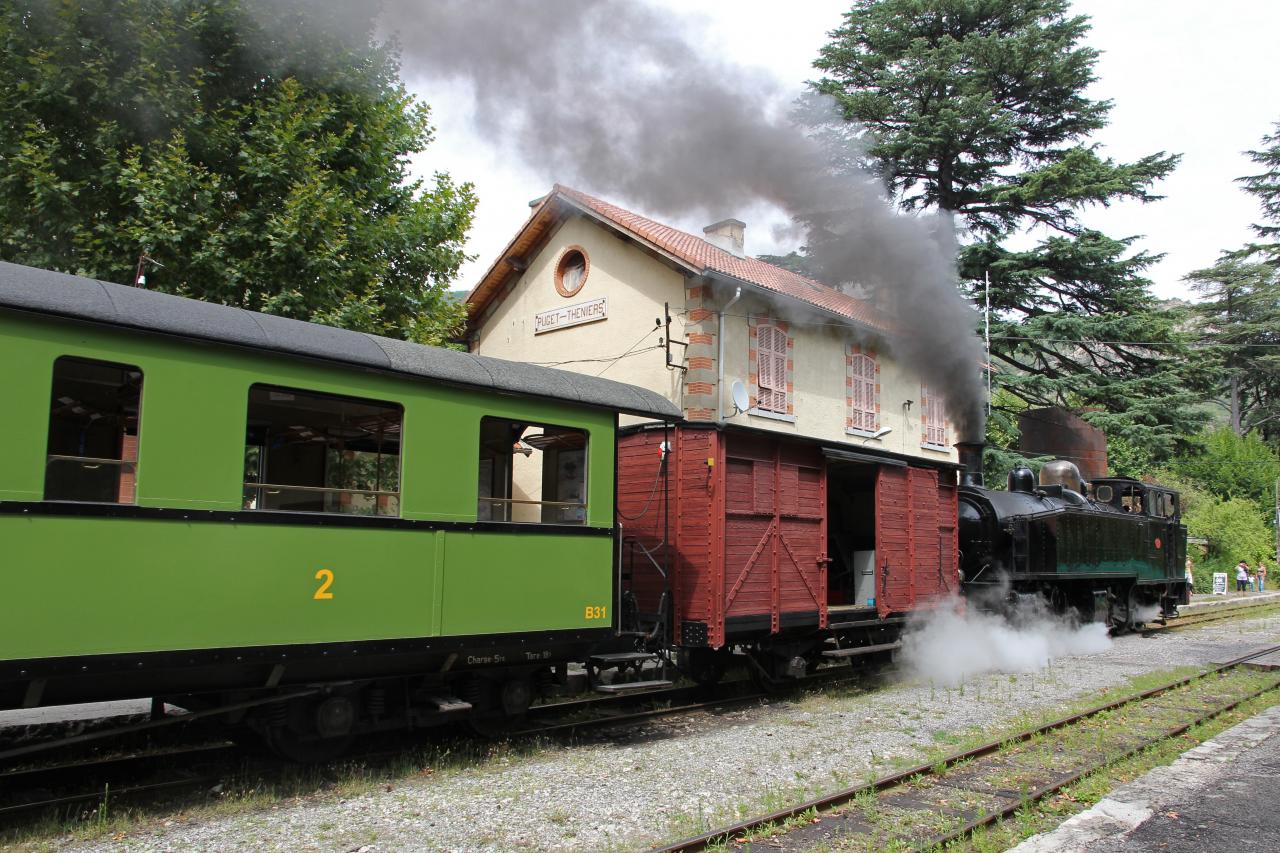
(894, 827)
(1078, 797)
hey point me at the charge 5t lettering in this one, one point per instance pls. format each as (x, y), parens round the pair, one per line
(596, 612)
(325, 576)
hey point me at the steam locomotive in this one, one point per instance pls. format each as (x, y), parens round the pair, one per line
(1112, 550)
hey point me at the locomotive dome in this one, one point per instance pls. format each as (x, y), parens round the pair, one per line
(1061, 472)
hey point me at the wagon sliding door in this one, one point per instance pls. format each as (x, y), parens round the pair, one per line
(915, 538)
(775, 536)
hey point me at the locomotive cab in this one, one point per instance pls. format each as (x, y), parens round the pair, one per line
(1132, 496)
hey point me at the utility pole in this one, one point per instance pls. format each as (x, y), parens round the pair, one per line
(987, 318)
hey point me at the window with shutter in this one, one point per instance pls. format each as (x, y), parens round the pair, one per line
(863, 393)
(771, 366)
(935, 417)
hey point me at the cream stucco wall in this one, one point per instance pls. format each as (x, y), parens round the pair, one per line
(635, 284)
(819, 396)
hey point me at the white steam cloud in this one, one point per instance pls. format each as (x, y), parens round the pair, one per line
(954, 643)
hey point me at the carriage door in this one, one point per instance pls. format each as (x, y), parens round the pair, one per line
(775, 534)
(915, 538)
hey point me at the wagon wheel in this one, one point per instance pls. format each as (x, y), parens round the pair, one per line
(310, 730)
(707, 666)
(292, 745)
(499, 706)
(763, 669)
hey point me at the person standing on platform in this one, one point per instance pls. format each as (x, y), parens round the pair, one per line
(1191, 583)
(1242, 576)
(1261, 576)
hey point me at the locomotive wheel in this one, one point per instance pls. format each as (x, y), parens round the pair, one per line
(1058, 601)
(1134, 624)
(1120, 617)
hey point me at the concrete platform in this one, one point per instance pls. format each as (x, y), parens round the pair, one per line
(1218, 796)
(1203, 603)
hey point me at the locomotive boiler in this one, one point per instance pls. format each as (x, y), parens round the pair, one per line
(1110, 550)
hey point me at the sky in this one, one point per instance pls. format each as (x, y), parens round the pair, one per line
(1185, 77)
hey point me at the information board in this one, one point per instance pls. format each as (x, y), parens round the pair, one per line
(1219, 583)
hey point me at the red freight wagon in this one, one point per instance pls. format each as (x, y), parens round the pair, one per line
(788, 549)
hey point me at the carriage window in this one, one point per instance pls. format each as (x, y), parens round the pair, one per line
(307, 452)
(532, 473)
(93, 432)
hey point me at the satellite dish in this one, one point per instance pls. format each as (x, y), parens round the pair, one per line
(738, 390)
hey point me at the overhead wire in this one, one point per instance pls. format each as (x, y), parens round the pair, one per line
(630, 351)
(633, 347)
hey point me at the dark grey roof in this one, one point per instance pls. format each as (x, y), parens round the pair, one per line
(58, 294)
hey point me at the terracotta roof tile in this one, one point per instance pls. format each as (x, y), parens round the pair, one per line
(704, 255)
(699, 254)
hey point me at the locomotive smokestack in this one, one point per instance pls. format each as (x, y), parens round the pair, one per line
(971, 458)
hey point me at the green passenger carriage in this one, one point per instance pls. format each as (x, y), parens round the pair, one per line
(220, 507)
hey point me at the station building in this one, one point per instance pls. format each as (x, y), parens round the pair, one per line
(796, 412)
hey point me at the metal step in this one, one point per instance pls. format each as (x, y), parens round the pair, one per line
(632, 685)
(860, 650)
(449, 703)
(615, 658)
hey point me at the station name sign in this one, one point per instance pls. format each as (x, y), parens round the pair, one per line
(571, 315)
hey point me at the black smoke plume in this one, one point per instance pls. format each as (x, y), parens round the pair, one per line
(620, 99)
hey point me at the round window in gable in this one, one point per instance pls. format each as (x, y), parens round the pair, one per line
(571, 270)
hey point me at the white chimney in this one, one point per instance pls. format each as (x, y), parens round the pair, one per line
(728, 234)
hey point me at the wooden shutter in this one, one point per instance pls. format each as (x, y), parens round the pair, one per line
(771, 366)
(864, 393)
(935, 418)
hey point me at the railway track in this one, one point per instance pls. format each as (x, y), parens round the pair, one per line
(69, 785)
(932, 805)
(72, 786)
(77, 786)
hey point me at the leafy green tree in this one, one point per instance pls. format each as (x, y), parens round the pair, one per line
(978, 108)
(1240, 321)
(1235, 528)
(1266, 186)
(258, 162)
(1231, 466)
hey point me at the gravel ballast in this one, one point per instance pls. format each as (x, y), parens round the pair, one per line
(679, 776)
